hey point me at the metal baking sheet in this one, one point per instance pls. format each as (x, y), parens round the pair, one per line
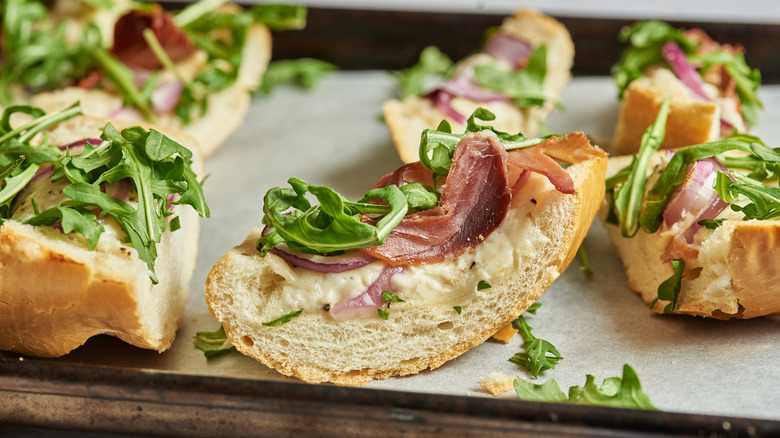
(334, 135)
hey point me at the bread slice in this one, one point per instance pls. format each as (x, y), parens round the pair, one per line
(55, 293)
(733, 276)
(226, 109)
(407, 118)
(690, 122)
(520, 259)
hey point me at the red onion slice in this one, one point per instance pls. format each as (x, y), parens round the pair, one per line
(443, 101)
(696, 197)
(462, 87)
(166, 96)
(509, 49)
(684, 70)
(325, 264)
(369, 300)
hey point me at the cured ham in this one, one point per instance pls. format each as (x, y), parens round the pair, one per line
(474, 200)
(131, 48)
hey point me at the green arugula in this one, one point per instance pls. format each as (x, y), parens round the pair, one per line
(391, 297)
(200, 20)
(628, 193)
(213, 343)
(539, 354)
(287, 317)
(432, 63)
(582, 255)
(458, 309)
(304, 72)
(36, 55)
(646, 39)
(669, 289)
(525, 86)
(483, 285)
(616, 392)
(384, 314)
(437, 146)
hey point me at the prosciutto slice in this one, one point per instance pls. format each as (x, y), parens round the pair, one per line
(474, 200)
(131, 48)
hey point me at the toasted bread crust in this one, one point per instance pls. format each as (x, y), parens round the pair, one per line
(316, 348)
(689, 122)
(55, 293)
(407, 118)
(733, 274)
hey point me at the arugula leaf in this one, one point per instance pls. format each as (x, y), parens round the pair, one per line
(81, 220)
(213, 343)
(582, 254)
(432, 62)
(764, 202)
(628, 195)
(539, 355)
(390, 297)
(335, 224)
(525, 86)
(616, 392)
(304, 72)
(280, 16)
(669, 289)
(287, 317)
(646, 38)
(533, 308)
(384, 314)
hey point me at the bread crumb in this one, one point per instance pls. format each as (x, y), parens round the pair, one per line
(505, 334)
(497, 383)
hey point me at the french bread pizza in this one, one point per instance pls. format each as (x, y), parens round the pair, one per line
(99, 231)
(714, 91)
(435, 259)
(192, 71)
(519, 76)
(696, 228)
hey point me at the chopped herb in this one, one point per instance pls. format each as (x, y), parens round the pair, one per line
(458, 309)
(483, 285)
(384, 314)
(617, 392)
(669, 289)
(390, 297)
(213, 343)
(287, 317)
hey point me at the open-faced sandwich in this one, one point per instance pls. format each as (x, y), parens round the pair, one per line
(192, 70)
(99, 231)
(696, 228)
(519, 76)
(435, 259)
(714, 92)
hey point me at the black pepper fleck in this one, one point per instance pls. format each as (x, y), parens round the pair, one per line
(472, 265)
(326, 307)
(533, 201)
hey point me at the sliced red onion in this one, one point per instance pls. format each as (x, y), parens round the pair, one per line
(369, 300)
(326, 264)
(521, 180)
(696, 197)
(119, 190)
(166, 96)
(684, 70)
(443, 101)
(463, 87)
(509, 49)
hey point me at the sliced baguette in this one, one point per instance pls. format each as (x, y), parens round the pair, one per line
(733, 276)
(225, 111)
(520, 259)
(407, 118)
(55, 293)
(689, 122)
